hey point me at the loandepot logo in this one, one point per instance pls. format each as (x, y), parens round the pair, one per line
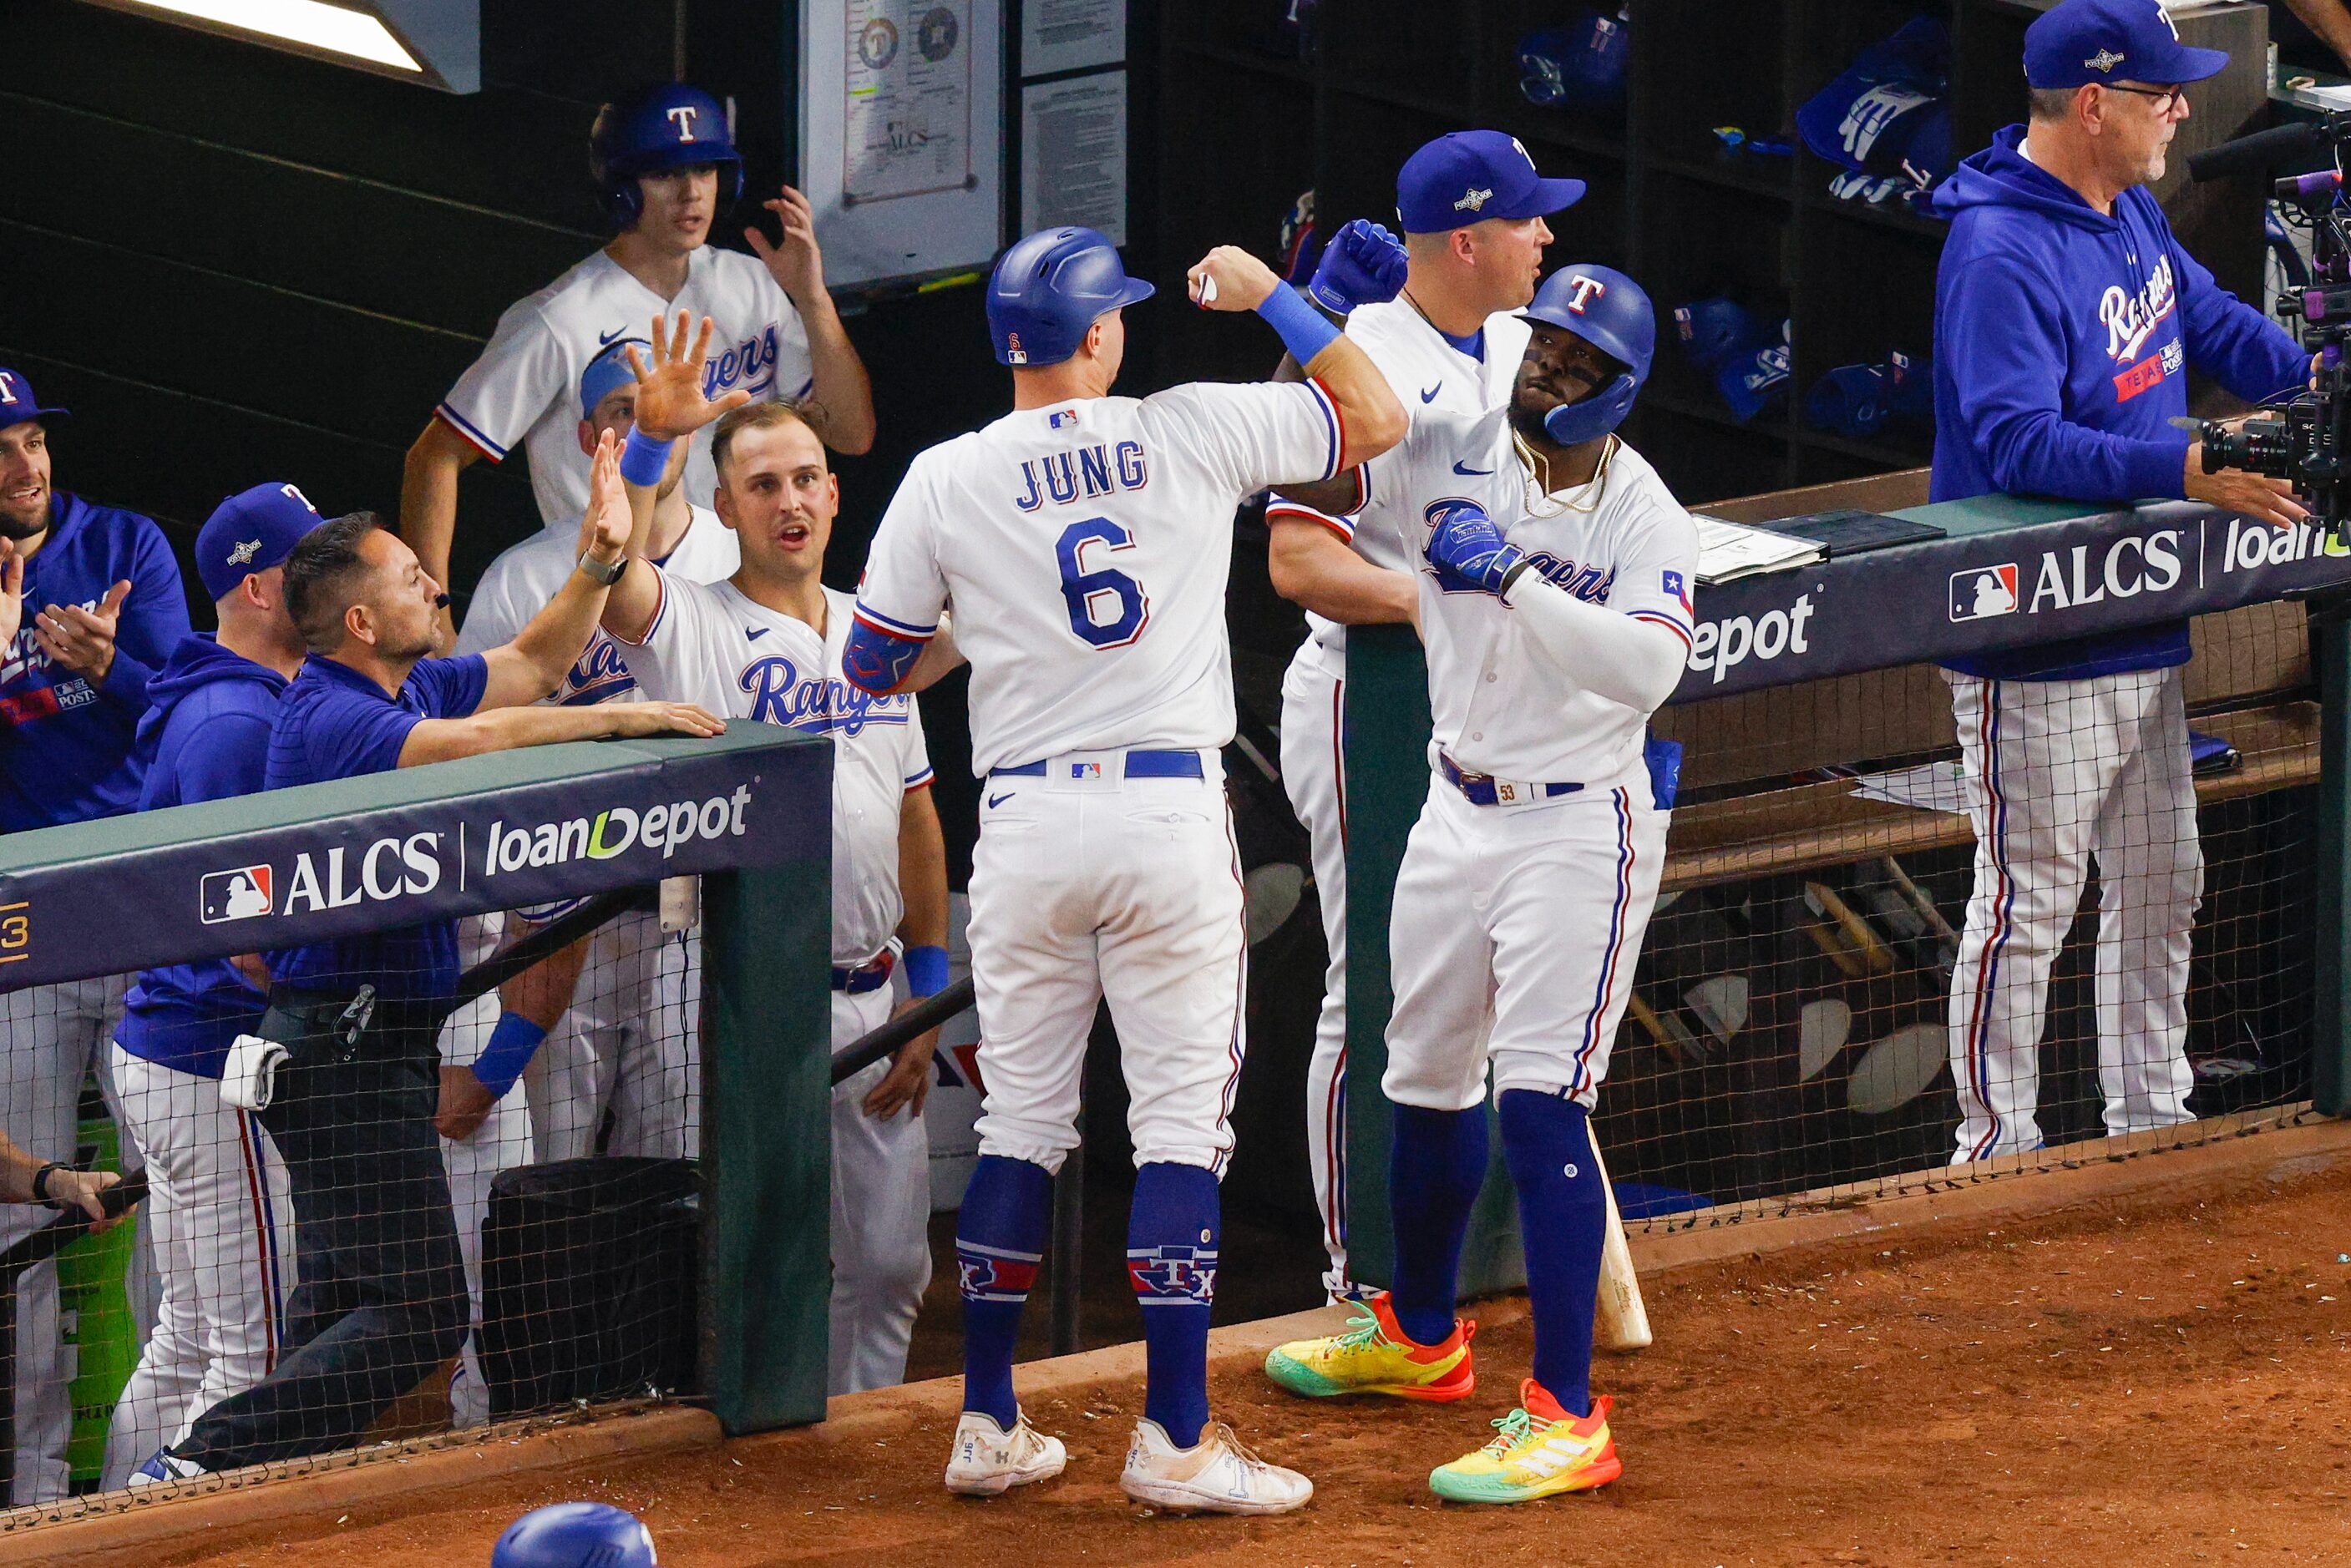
(613, 832)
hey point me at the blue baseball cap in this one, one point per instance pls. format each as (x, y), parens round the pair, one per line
(250, 532)
(608, 370)
(17, 403)
(1471, 175)
(2103, 41)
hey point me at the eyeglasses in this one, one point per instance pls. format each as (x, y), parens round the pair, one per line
(2167, 99)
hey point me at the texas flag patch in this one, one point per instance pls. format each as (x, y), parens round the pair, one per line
(1676, 585)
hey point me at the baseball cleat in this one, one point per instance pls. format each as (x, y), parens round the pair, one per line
(989, 1462)
(1537, 1450)
(164, 1466)
(1215, 1475)
(1374, 1356)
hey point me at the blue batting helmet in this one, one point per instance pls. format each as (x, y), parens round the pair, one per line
(1609, 311)
(670, 126)
(1049, 287)
(574, 1535)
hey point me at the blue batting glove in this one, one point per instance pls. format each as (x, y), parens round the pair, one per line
(1363, 264)
(1470, 554)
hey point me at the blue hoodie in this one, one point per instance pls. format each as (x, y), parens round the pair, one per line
(205, 737)
(2062, 339)
(66, 751)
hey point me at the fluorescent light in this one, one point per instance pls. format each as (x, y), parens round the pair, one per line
(310, 23)
(437, 43)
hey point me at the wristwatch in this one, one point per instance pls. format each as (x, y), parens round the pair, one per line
(602, 573)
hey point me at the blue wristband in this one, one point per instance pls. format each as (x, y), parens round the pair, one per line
(926, 971)
(1302, 329)
(643, 459)
(511, 1045)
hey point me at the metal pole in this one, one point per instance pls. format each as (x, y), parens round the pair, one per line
(2330, 655)
(1069, 1247)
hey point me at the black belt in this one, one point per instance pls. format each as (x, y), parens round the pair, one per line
(870, 975)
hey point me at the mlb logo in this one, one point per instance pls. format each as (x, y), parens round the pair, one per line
(1061, 417)
(1013, 353)
(237, 895)
(1085, 770)
(1980, 593)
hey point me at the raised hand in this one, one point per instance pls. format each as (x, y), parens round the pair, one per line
(796, 264)
(1230, 278)
(604, 526)
(1364, 265)
(1468, 553)
(76, 639)
(670, 401)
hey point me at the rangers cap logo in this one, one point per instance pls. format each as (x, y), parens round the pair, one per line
(2107, 59)
(1473, 200)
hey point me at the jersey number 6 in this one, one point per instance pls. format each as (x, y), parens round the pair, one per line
(1084, 590)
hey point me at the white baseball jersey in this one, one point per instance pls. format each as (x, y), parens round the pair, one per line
(525, 576)
(1086, 548)
(711, 645)
(1622, 541)
(524, 388)
(1427, 372)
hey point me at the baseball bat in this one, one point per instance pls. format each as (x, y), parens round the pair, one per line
(925, 1015)
(1621, 1320)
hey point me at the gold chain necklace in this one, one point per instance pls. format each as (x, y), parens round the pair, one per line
(1541, 502)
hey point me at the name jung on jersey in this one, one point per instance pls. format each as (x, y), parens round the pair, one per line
(1095, 470)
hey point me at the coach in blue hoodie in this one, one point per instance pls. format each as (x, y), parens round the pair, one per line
(2067, 316)
(218, 1216)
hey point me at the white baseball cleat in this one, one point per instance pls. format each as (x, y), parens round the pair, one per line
(1217, 1475)
(989, 1462)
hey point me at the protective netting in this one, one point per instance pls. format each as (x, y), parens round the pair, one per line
(385, 1249)
(1914, 920)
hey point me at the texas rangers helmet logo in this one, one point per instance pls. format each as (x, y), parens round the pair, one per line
(1473, 200)
(2107, 59)
(1586, 289)
(1012, 349)
(683, 117)
(242, 555)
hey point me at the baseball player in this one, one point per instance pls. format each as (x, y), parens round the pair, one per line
(1086, 541)
(665, 163)
(766, 645)
(219, 1220)
(2066, 317)
(90, 606)
(1556, 611)
(1472, 207)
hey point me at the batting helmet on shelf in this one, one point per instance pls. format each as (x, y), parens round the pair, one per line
(1049, 287)
(574, 1535)
(1611, 312)
(670, 126)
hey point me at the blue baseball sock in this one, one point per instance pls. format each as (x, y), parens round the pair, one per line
(1564, 1216)
(999, 1241)
(1435, 1166)
(1171, 1258)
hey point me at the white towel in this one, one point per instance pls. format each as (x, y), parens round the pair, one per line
(250, 1077)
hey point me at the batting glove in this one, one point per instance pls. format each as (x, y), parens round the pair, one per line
(1364, 265)
(1468, 553)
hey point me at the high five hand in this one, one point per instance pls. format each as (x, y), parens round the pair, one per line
(670, 401)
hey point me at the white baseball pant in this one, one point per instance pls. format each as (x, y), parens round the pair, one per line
(2062, 772)
(1088, 884)
(626, 1045)
(881, 1215)
(56, 1035)
(1530, 916)
(219, 1221)
(502, 1142)
(1313, 774)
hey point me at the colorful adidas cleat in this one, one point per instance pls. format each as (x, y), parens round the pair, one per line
(1537, 1450)
(1374, 1356)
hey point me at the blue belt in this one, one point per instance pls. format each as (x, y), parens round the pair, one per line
(1139, 765)
(868, 976)
(1484, 789)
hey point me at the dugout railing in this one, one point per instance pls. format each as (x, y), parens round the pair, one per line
(1786, 1046)
(741, 1288)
